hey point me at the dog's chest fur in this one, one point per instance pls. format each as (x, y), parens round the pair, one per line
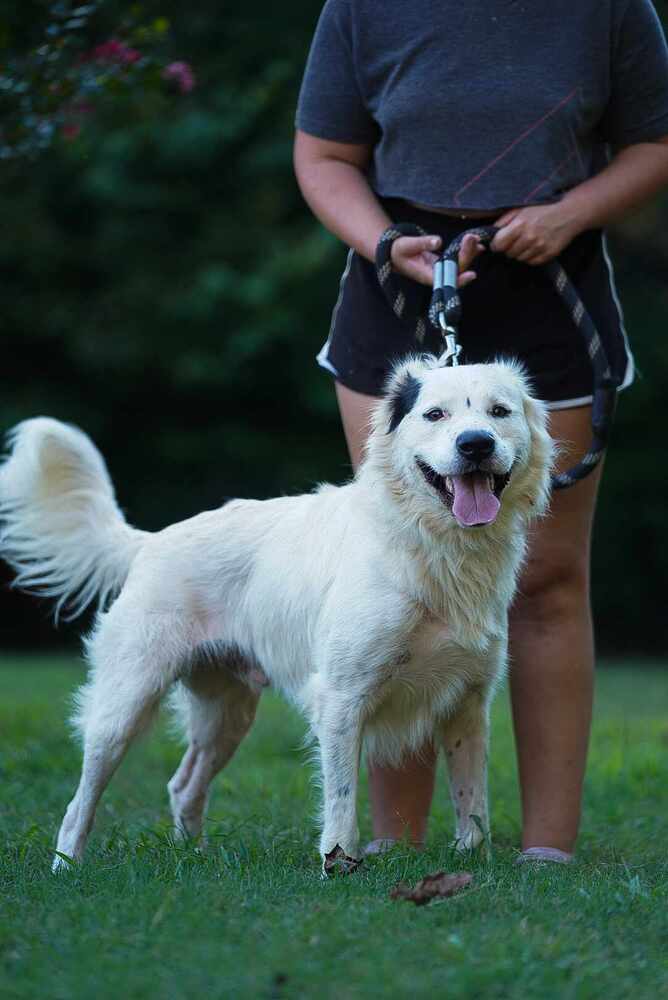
(422, 686)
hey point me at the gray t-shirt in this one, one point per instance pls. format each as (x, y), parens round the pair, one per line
(485, 104)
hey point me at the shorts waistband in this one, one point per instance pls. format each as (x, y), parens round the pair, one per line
(452, 225)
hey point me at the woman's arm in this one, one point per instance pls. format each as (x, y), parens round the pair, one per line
(331, 176)
(332, 179)
(538, 233)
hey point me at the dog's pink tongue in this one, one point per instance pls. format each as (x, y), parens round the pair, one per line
(474, 502)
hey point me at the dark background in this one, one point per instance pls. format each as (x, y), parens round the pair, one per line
(164, 286)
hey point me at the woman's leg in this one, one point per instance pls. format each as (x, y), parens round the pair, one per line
(400, 798)
(552, 652)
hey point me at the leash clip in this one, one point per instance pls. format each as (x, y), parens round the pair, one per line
(452, 350)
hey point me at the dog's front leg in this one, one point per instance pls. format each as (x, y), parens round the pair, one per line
(340, 738)
(465, 739)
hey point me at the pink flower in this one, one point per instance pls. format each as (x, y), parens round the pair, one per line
(180, 76)
(81, 108)
(75, 115)
(70, 131)
(114, 51)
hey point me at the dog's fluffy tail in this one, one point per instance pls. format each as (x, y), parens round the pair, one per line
(62, 530)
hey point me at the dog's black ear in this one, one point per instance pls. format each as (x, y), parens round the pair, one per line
(401, 399)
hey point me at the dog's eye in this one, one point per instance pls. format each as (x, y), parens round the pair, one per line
(499, 411)
(434, 414)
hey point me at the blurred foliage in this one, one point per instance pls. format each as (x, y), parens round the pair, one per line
(52, 89)
(165, 287)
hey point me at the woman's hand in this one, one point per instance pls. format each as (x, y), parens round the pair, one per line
(535, 234)
(414, 257)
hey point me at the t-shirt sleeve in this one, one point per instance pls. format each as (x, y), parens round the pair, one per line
(330, 103)
(638, 107)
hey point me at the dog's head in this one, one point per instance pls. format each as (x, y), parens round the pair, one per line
(467, 441)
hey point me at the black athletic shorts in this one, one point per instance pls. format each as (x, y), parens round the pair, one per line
(510, 310)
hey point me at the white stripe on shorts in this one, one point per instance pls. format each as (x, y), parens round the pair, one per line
(322, 355)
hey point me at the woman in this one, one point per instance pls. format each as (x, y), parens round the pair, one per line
(550, 120)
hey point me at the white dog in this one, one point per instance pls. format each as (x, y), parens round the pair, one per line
(378, 607)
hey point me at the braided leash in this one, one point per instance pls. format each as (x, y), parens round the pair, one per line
(442, 306)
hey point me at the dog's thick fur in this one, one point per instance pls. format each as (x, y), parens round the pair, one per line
(368, 604)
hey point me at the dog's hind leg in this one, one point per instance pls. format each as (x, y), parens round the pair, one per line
(465, 739)
(218, 710)
(132, 663)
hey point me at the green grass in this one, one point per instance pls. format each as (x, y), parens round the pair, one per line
(143, 917)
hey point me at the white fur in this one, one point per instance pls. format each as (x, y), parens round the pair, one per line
(62, 530)
(366, 604)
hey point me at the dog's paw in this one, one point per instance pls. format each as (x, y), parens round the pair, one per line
(471, 836)
(62, 862)
(337, 862)
(468, 841)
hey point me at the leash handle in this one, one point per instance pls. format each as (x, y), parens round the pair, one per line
(407, 299)
(412, 301)
(445, 300)
(445, 307)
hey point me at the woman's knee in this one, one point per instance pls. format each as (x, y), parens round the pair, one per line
(553, 590)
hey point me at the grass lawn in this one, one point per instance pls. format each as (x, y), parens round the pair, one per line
(142, 917)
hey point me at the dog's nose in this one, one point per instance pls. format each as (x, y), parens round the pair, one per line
(475, 445)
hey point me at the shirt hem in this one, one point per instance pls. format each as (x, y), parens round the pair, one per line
(421, 203)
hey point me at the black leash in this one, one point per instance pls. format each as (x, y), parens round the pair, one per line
(443, 308)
